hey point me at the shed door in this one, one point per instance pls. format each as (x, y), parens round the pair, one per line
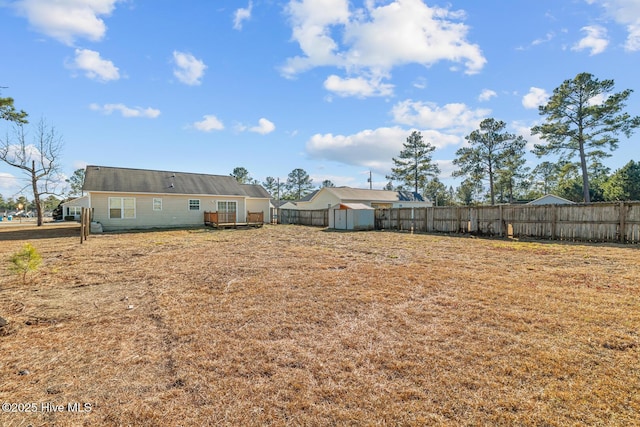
(340, 219)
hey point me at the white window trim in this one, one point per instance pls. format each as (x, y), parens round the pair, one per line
(227, 202)
(157, 199)
(122, 209)
(189, 205)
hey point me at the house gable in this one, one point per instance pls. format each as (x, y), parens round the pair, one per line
(329, 196)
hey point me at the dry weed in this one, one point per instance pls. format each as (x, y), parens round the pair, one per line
(291, 325)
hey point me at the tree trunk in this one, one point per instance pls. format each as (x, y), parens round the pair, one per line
(493, 196)
(585, 172)
(36, 195)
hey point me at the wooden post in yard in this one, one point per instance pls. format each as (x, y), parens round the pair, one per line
(82, 225)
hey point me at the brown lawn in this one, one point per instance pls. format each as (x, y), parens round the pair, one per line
(291, 325)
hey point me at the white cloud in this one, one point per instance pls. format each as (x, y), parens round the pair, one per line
(94, 66)
(150, 113)
(209, 123)
(599, 99)
(339, 181)
(524, 129)
(80, 164)
(371, 149)
(535, 98)
(189, 70)
(633, 40)
(455, 118)
(546, 39)
(376, 38)
(67, 20)
(358, 86)
(242, 15)
(446, 168)
(627, 13)
(596, 40)
(264, 127)
(486, 95)
(8, 181)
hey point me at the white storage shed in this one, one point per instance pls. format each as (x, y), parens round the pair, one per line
(351, 216)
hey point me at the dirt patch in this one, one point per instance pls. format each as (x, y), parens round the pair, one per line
(292, 325)
(26, 232)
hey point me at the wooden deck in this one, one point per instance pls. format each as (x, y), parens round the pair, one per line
(228, 220)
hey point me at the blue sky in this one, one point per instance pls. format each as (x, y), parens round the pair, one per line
(330, 86)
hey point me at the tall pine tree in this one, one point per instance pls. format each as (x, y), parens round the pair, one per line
(415, 165)
(583, 117)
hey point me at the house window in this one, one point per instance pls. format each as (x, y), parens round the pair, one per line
(74, 210)
(194, 204)
(122, 207)
(157, 204)
(227, 206)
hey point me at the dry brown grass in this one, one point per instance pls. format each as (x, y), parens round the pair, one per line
(290, 325)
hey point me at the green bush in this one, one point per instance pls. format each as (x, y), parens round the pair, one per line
(24, 261)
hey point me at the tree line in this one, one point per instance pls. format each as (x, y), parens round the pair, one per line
(297, 185)
(582, 121)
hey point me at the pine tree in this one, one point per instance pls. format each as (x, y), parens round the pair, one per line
(414, 166)
(578, 123)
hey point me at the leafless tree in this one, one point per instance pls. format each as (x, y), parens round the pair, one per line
(38, 160)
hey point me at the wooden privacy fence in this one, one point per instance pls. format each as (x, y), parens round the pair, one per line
(317, 218)
(594, 222)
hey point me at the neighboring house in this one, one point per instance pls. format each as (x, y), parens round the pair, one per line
(288, 204)
(73, 208)
(327, 197)
(550, 199)
(123, 198)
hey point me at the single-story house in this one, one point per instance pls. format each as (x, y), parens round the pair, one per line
(550, 199)
(73, 208)
(351, 216)
(123, 198)
(327, 197)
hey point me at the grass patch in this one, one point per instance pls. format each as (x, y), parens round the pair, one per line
(291, 325)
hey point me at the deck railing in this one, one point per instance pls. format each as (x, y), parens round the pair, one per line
(216, 219)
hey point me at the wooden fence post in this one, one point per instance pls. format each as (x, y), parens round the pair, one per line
(622, 225)
(554, 220)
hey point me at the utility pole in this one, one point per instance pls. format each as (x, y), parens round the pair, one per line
(370, 181)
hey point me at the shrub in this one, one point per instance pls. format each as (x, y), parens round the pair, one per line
(24, 261)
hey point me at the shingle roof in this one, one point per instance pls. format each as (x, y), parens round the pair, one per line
(125, 180)
(347, 193)
(255, 190)
(309, 196)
